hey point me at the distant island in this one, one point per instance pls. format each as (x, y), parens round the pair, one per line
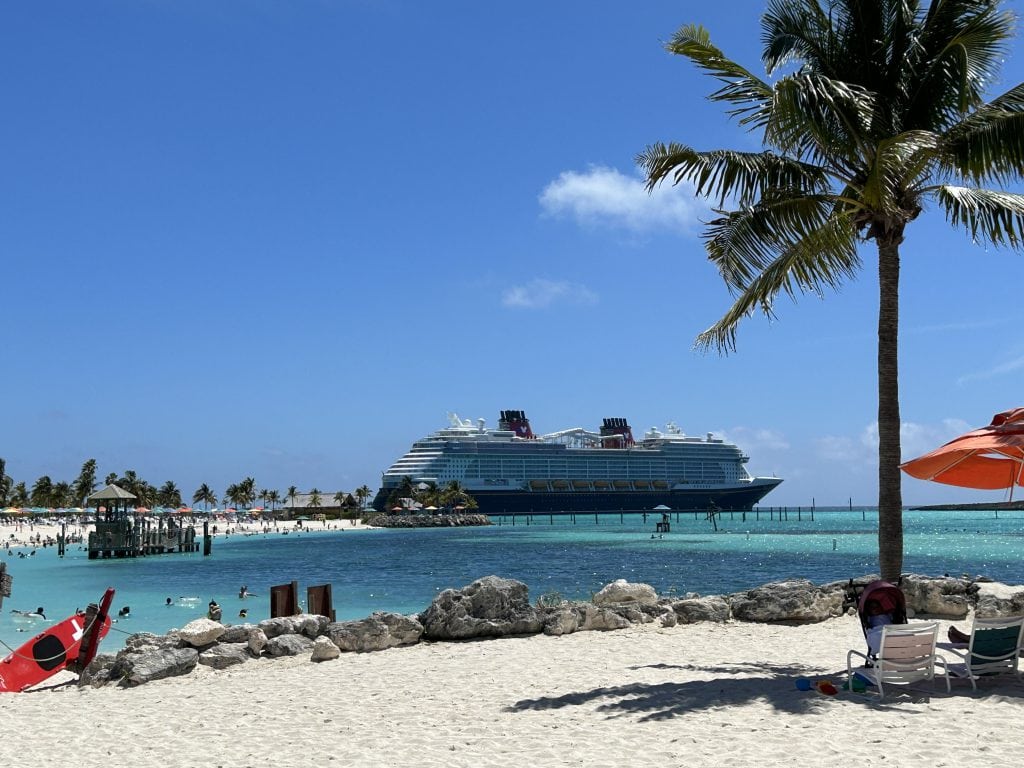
(998, 505)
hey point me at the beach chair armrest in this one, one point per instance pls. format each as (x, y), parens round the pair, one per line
(849, 660)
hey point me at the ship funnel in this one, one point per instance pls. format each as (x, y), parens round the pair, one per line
(516, 421)
(616, 433)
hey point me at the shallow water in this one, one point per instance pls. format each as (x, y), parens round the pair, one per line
(402, 570)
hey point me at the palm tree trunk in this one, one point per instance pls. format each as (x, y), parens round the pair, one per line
(890, 497)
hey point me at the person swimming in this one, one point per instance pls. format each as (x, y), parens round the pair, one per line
(169, 602)
(29, 615)
(124, 613)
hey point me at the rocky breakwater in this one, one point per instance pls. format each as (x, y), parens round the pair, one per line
(454, 520)
(494, 607)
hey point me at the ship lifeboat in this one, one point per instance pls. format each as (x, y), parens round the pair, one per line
(642, 485)
(602, 485)
(538, 485)
(559, 485)
(623, 484)
(581, 485)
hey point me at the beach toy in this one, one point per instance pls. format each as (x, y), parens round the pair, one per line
(803, 684)
(826, 687)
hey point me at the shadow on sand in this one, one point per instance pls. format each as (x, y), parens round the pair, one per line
(775, 685)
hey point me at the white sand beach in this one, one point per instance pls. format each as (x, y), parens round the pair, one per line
(698, 695)
(28, 533)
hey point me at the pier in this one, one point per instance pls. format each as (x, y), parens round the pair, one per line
(120, 534)
(778, 514)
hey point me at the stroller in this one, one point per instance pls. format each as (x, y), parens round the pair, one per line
(874, 598)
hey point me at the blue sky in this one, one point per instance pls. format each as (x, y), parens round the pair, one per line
(284, 239)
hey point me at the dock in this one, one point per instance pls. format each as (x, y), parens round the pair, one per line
(120, 534)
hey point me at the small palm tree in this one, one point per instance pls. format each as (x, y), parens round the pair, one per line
(363, 492)
(880, 110)
(292, 493)
(314, 498)
(273, 497)
(204, 495)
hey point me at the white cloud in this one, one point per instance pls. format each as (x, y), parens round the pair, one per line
(541, 293)
(1008, 366)
(756, 441)
(603, 196)
(915, 439)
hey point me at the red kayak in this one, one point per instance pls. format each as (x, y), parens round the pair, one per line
(71, 643)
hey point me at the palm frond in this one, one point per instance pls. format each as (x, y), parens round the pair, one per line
(996, 216)
(823, 258)
(745, 242)
(899, 163)
(988, 144)
(750, 95)
(820, 118)
(721, 174)
(794, 30)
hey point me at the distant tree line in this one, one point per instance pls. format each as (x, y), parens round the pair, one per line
(430, 494)
(44, 492)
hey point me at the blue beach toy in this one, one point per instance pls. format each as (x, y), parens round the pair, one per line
(803, 684)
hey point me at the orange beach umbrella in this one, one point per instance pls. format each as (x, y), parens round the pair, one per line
(989, 458)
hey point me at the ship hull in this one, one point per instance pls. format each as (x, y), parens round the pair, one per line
(505, 502)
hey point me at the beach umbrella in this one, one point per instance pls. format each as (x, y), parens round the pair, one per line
(989, 458)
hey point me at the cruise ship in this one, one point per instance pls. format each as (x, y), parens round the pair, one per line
(510, 470)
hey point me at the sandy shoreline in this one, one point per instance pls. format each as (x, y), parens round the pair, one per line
(702, 694)
(32, 534)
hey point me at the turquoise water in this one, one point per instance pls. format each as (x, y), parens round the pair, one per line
(402, 570)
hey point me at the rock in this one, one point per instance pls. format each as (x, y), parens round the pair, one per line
(224, 655)
(288, 645)
(999, 600)
(98, 672)
(489, 607)
(561, 621)
(324, 649)
(798, 600)
(236, 633)
(622, 591)
(257, 641)
(942, 596)
(376, 632)
(306, 624)
(692, 610)
(201, 632)
(669, 619)
(593, 618)
(138, 668)
(147, 641)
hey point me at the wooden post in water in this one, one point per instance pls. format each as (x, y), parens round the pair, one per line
(207, 541)
(61, 539)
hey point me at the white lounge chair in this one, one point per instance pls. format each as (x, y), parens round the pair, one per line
(906, 655)
(994, 648)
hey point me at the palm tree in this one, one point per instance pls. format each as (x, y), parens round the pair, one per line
(292, 492)
(204, 495)
(86, 482)
(884, 110)
(42, 490)
(273, 497)
(314, 498)
(19, 495)
(363, 492)
(169, 495)
(6, 483)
